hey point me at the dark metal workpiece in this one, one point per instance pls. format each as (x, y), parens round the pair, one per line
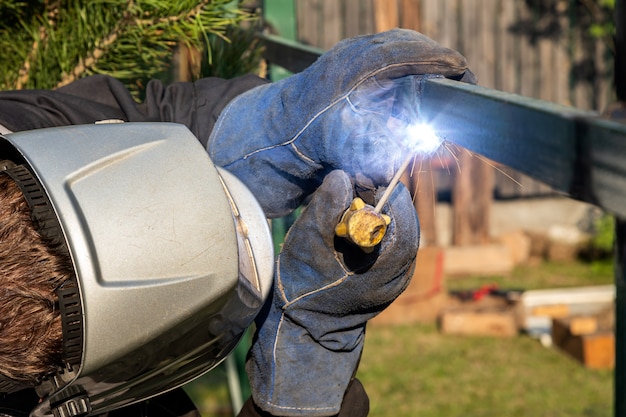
(574, 151)
(292, 56)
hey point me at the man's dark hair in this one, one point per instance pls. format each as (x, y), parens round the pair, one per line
(31, 338)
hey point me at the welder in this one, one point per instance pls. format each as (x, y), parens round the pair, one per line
(132, 218)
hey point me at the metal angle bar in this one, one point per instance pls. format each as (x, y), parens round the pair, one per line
(574, 151)
(292, 56)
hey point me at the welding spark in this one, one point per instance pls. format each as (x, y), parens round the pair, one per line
(422, 139)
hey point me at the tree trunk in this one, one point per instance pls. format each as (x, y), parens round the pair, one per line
(421, 184)
(472, 195)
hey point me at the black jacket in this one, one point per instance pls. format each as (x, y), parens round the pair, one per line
(196, 105)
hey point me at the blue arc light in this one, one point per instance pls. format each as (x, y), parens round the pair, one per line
(422, 139)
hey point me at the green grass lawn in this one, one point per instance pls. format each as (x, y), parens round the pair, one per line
(545, 275)
(413, 370)
(416, 371)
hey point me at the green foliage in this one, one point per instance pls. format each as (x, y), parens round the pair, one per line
(601, 30)
(49, 43)
(603, 26)
(604, 233)
(235, 54)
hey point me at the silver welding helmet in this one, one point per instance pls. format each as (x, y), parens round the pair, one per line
(173, 258)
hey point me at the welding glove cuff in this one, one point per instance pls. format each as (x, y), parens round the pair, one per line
(282, 138)
(310, 335)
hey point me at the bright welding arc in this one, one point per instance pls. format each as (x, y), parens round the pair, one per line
(422, 140)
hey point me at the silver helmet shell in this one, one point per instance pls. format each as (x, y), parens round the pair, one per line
(173, 257)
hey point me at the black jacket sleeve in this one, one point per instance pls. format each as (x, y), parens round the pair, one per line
(196, 105)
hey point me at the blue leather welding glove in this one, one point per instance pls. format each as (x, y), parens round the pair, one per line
(282, 138)
(310, 334)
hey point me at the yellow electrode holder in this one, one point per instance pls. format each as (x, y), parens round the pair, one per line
(362, 225)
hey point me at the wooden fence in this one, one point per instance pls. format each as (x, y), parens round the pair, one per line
(536, 48)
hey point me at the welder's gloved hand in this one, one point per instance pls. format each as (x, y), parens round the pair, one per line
(310, 334)
(344, 112)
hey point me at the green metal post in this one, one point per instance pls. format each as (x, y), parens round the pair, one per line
(280, 15)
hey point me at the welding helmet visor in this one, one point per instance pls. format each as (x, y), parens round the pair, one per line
(173, 259)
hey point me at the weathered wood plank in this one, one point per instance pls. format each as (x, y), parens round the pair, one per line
(386, 14)
(352, 17)
(409, 13)
(562, 64)
(431, 20)
(487, 24)
(603, 90)
(527, 53)
(595, 350)
(508, 70)
(309, 23)
(546, 69)
(367, 16)
(332, 24)
(580, 94)
(485, 322)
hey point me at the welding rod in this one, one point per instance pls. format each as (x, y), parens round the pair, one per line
(392, 184)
